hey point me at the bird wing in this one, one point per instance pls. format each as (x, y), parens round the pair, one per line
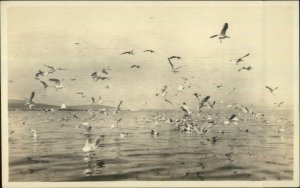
(32, 95)
(171, 63)
(94, 74)
(168, 101)
(44, 84)
(93, 100)
(57, 81)
(178, 68)
(133, 66)
(245, 55)
(225, 27)
(269, 88)
(118, 107)
(205, 99)
(232, 116)
(104, 71)
(213, 36)
(49, 66)
(80, 93)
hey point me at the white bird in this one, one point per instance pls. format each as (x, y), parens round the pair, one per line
(57, 82)
(30, 102)
(35, 135)
(100, 100)
(222, 35)
(89, 146)
(83, 94)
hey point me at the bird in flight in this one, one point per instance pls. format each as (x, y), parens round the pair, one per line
(280, 104)
(29, 102)
(57, 82)
(83, 94)
(93, 100)
(202, 103)
(175, 70)
(40, 73)
(240, 59)
(271, 89)
(169, 101)
(211, 105)
(222, 35)
(135, 66)
(118, 109)
(131, 52)
(95, 77)
(245, 68)
(53, 69)
(151, 51)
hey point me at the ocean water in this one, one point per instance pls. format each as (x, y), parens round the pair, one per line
(254, 149)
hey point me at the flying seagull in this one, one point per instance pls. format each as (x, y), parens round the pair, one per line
(169, 101)
(280, 104)
(131, 52)
(118, 109)
(40, 73)
(57, 82)
(202, 103)
(93, 100)
(95, 77)
(135, 66)
(29, 102)
(175, 70)
(175, 57)
(271, 89)
(151, 51)
(53, 69)
(222, 35)
(240, 59)
(245, 68)
(211, 105)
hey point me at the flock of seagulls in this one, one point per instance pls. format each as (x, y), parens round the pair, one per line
(188, 122)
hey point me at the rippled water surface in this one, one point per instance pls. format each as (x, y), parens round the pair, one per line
(250, 150)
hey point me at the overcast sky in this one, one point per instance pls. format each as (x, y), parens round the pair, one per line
(46, 35)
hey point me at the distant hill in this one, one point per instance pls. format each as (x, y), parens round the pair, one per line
(14, 104)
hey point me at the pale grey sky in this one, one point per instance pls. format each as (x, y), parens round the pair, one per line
(46, 35)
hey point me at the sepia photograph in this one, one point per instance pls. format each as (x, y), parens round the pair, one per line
(150, 94)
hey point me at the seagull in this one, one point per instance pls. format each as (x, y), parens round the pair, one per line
(175, 57)
(135, 66)
(154, 132)
(53, 69)
(197, 95)
(40, 73)
(131, 52)
(202, 103)
(118, 109)
(83, 94)
(280, 104)
(74, 78)
(185, 109)
(271, 89)
(58, 84)
(100, 100)
(93, 100)
(89, 146)
(246, 68)
(95, 77)
(104, 70)
(169, 101)
(175, 70)
(44, 84)
(116, 123)
(151, 51)
(240, 59)
(123, 135)
(222, 35)
(29, 101)
(35, 135)
(211, 105)
(230, 119)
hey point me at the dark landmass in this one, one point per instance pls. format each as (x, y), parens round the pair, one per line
(15, 104)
